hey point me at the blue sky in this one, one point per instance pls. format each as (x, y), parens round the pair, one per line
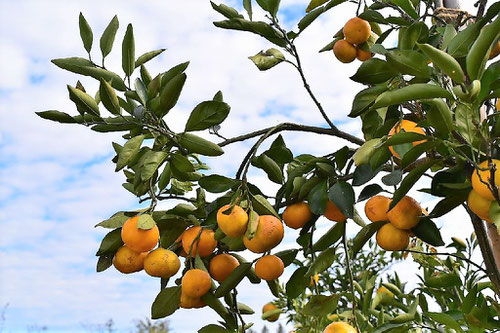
(57, 182)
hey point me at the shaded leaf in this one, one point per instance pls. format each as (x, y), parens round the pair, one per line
(166, 302)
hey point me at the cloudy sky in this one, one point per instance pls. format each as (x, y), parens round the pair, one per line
(57, 181)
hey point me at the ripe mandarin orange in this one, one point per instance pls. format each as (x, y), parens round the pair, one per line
(137, 239)
(191, 302)
(222, 265)
(479, 178)
(333, 213)
(362, 55)
(269, 233)
(344, 51)
(269, 267)
(391, 238)
(407, 126)
(233, 224)
(196, 283)
(339, 327)
(162, 263)
(128, 261)
(297, 215)
(376, 208)
(205, 245)
(479, 205)
(357, 31)
(406, 214)
(269, 307)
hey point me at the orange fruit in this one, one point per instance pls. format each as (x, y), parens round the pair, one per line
(357, 31)
(191, 302)
(406, 214)
(269, 233)
(340, 327)
(391, 238)
(333, 213)
(270, 307)
(222, 265)
(314, 279)
(384, 290)
(269, 267)
(344, 51)
(196, 283)
(376, 208)
(162, 263)
(498, 104)
(479, 205)
(137, 239)
(407, 126)
(128, 261)
(234, 224)
(495, 50)
(204, 246)
(297, 215)
(478, 177)
(362, 55)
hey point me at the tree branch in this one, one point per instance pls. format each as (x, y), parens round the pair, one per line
(482, 7)
(298, 128)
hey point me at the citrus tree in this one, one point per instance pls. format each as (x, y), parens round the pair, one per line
(428, 110)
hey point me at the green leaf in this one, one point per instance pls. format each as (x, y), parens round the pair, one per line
(310, 17)
(448, 35)
(322, 262)
(104, 262)
(459, 45)
(365, 99)
(225, 10)
(83, 101)
(233, 279)
(115, 221)
(314, 4)
(369, 191)
(165, 177)
(147, 56)
(342, 195)
(109, 98)
(85, 67)
(318, 197)
(145, 222)
(272, 169)
(440, 116)
(108, 36)
(129, 151)
(407, 6)
(373, 71)
(411, 155)
(364, 235)
(297, 283)
(411, 179)
(269, 5)
(216, 183)
(212, 328)
(363, 174)
(366, 151)
(465, 117)
(170, 93)
(404, 137)
(199, 145)
(409, 62)
(247, 4)
(181, 163)
(321, 305)
(262, 206)
(128, 51)
(257, 27)
(110, 243)
(207, 114)
(445, 62)
(58, 116)
(152, 161)
(166, 302)
(141, 91)
(330, 237)
(214, 303)
(417, 91)
(445, 319)
(427, 231)
(268, 59)
(287, 256)
(480, 50)
(85, 33)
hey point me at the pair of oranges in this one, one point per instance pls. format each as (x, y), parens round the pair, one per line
(481, 196)
(298, 214)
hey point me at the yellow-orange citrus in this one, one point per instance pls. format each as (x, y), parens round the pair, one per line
(314, 279)
(362, 55)
(233, 224)
(269, 307)
(137, 239)
(269, 233)
(384, 290)
(498, 104)
(479, 205)
(407, 126)
(357, 31)
(340, 327)
(196, 283)
(162, 263)
(391, 238)
(269, 267)
(333, 213)
(191, 302)
(406, 214)
(222, 265)
(479, 178)
(376, 208)
(128, 261)
(344, 51)
(297, 215)
(204, 246)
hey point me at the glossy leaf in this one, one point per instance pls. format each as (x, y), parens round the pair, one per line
(373, 71)
(342, 195)
(109, 98)
(427, 231)
(207, 114)
(370, 191)
(199, 145)
(58, 116)
(216, 183)
(129, 150)
(297, 282)
(83, 101)
(321, 305)
(409, 62)
(166, 302)
(318, 198)
(364, 235)
(128, 51)
(322, 262)
(147, 56)
(110, 243)
(268, 59)
(330, 237)
(365, 99)
(85, 33)
(261, 28)
(108, 36)
(233, 279)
